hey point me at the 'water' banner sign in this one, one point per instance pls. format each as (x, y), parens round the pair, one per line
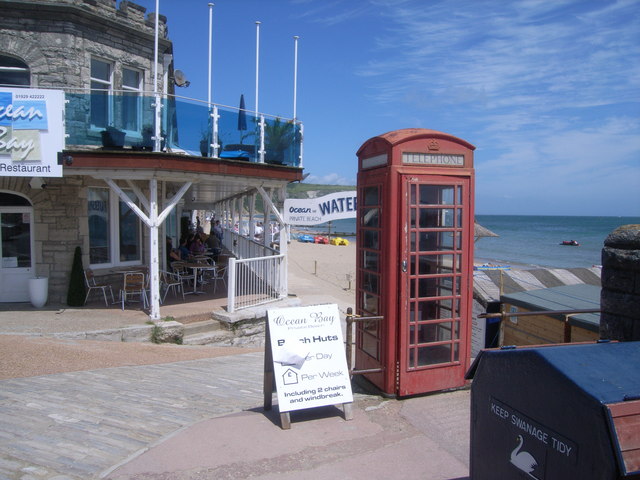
(315, 211)
(31, 132)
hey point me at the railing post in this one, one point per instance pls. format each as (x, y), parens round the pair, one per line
(301, 143)
(349, 340)
(231, 285)
(215, 144)
(261, 151)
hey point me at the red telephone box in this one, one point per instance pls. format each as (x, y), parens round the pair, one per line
(415, 260)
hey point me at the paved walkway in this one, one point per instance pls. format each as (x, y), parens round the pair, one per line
(203, 419)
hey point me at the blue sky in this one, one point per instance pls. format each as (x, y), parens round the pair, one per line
(547, 91)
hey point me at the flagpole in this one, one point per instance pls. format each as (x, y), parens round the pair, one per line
(295, 77)
(210, 51)
(212, 121)
(257, 62)
(156, 97)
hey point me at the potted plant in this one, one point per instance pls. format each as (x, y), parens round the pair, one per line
(147, 137)
(112, 137)
(204, 143)
(278, 137)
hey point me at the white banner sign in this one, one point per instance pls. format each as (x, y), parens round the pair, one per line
(31, 132)
(315, 211)
(309, 361)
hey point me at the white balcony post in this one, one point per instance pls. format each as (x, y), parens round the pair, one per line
(215, 145)
(261, 151)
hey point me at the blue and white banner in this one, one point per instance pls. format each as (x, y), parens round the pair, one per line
(314, 211)
(31, 132)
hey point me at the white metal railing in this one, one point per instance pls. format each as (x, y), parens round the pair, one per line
(244, 247)
(255, 281)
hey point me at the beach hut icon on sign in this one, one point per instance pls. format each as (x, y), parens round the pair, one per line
(289, 377)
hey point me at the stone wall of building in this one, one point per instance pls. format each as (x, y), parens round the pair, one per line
(620, 298)
(60, 225)
(57, 38)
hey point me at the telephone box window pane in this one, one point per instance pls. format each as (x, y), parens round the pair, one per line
(99, 232)
(371, 217)
(370, 281)
(370, 261)
(435, 264)
(370, 345)
(434, 355)
(436, 194)
(371, 239)
(412, 200)
(436, 241)
(16, 240)
(458, 263)
(434, 332)
(456, 352)
(370, 303)
(436, 217)
(456, 329)
(459, 218)
(371, 196)
(459, 195)
(412, 218)
(434, 287)
(434, 310)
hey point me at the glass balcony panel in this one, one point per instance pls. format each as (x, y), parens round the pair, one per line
(186, 127)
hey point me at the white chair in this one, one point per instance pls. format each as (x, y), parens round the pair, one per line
(170, 281)
(134, 284)
(91, 284)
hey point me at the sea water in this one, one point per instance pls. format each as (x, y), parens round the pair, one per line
(529, 239)
(536, 240)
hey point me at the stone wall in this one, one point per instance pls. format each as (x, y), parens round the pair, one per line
(60, 225)
(620, 298)
(57, 38)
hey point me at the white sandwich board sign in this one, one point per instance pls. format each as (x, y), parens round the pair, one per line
(309, 360)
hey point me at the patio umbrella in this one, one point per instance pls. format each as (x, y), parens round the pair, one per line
(480, 231)
(242, 117)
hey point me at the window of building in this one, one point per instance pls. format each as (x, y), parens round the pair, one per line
(114, 229)
(131, 99)
(101, 88)
(14, 72)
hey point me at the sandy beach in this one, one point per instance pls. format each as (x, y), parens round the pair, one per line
(328, 269)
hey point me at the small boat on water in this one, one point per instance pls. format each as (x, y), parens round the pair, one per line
(572, 243)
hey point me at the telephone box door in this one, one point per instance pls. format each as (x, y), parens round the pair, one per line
(434, 308)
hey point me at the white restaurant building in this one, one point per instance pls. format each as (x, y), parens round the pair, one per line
(92, 172)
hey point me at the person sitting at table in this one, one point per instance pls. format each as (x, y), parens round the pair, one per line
(197, 247)
(173, 254)
(183, 249)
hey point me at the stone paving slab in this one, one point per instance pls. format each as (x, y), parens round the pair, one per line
(77, 425)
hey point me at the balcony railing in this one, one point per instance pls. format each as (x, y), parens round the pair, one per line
(127, 120)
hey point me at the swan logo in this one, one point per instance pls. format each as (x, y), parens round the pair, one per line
(523, 459)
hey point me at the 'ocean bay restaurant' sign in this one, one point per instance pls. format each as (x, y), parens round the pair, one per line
(31, 132)
(314, 211)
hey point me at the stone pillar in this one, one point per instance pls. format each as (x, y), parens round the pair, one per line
(620, 297)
